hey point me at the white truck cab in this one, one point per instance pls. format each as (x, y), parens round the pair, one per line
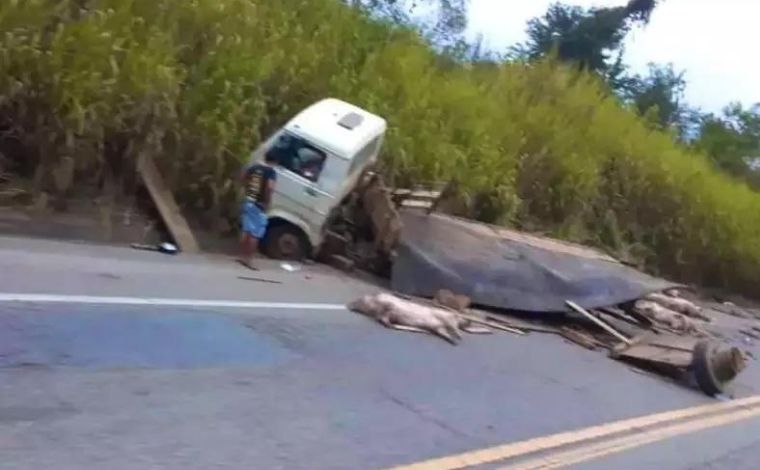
(320, 156)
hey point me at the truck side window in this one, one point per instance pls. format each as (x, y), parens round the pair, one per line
(363, 156)
(296, 155)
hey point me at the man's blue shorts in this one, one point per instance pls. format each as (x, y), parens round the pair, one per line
(253, 220)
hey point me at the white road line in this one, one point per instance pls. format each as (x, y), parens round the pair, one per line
(152, 301)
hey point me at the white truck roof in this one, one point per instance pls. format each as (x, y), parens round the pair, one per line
(337, 126)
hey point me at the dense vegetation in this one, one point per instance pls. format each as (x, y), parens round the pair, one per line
(88, 85)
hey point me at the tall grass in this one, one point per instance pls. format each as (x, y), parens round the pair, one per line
(197, 83)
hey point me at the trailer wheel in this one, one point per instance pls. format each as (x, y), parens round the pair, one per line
(285, 241)
(713, 369)
(701, 363)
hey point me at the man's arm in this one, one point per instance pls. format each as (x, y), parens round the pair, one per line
(244, 173)
(269, 190)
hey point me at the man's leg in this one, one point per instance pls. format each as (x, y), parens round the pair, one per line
(247, 241)
(245, 251)
(248, 246)
(253, 246)
(253, 223)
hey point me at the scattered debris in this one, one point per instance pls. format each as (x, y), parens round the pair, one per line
(291, 268)
(751, 333)
(468, 327)
(598, 321)
(630, 317)
(166, 248)
(578, 337)
(409, 329)
(259, 279)
(334, 244)
(523, 325)
(460, 304)
(113, 277)
(448, 299)
(648, 334)
(343, 263)
(711, 367)
(730, 308)
(494, 325)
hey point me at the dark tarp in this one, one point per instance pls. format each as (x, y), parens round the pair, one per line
(500, 268)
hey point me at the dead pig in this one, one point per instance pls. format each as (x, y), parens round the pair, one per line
(673, 301)
(397, 313)
(663, 315)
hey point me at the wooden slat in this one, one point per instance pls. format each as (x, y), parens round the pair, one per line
(416, 193)
(167, 205)
(416, 204)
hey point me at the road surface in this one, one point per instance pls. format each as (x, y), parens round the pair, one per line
(119, 359)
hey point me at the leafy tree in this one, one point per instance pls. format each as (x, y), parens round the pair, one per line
(660, 95)
(591, 38)
(443, 21)
(732, 140)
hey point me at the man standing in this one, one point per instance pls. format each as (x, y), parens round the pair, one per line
(259, 180)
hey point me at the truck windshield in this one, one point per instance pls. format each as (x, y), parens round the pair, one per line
(297, 155)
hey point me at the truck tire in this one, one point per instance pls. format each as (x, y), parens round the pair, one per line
(704, 373)
(285, 242)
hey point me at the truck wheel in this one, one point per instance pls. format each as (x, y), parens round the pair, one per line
(285, 242)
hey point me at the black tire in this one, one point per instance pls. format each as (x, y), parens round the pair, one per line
(701, 363)
(285, 242)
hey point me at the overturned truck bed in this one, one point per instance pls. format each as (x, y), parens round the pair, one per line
(457, 262)
(504, 269)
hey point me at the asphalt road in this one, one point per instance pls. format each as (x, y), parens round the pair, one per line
(165, 387)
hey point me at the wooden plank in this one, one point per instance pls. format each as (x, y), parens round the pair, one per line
(578, 337)
(167, 205)
(523, 325)
(409, 329)
(416, 204)
(599, 322)
(416, 193)
(656, 354)
(445, 193)
(491, 324)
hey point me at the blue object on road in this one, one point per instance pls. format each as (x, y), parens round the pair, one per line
(101, 338)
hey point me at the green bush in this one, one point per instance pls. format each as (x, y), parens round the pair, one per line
(197, 83)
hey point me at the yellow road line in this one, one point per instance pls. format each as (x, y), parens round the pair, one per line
(518, 449)
(613, 446)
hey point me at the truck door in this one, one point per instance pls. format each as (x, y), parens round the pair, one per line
(304, 177)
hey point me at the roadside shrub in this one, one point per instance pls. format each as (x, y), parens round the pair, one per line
(87, 86)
